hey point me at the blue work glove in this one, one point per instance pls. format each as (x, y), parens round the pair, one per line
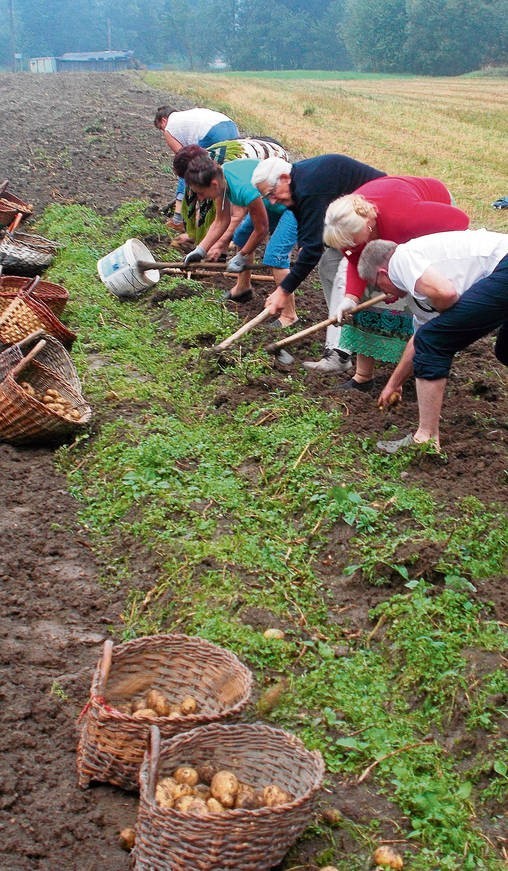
(195, 255)
(238, 263)
(502, 203)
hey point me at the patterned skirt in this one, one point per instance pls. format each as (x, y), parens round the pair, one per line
(381, 332)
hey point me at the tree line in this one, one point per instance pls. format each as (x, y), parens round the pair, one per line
(422, 37)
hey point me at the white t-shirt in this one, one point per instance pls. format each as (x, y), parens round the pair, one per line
(191, 125)
(462, 256)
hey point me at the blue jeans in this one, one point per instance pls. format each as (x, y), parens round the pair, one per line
(283, 236)
(218, 133)
(480, 310)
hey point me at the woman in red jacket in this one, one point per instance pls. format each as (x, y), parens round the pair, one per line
(394, 208)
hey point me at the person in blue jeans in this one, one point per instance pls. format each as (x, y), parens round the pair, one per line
(197, 126)
(229, 185)
(457, 287)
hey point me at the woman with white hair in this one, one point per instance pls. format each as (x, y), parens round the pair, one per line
(394, 208)
(307, 188)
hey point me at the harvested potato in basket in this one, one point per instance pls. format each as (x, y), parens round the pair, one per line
(184, 791)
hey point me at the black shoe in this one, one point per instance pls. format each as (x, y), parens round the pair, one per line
(242, 297)
(364, 386)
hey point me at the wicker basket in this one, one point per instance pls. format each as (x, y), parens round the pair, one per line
(52, 358)
(23, 417)
(111, 744)
(55, 296)
(250, 840)
(25, 315)
(25, 253)
(10, 207)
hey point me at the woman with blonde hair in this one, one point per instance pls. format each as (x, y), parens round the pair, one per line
(398, 208)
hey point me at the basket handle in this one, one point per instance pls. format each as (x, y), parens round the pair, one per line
(3, 186)
(27, 289)
(16, 370)
(16, 221)
(105, 666)
(28, 339)
(153, 750)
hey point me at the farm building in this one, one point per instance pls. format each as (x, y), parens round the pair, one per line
(83, 61)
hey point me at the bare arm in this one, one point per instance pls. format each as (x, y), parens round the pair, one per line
(220, 224)
(173, 143)
(259, 219)
(439, 290)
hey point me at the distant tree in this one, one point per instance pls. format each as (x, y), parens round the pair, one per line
(448, 37)
(374, 32)
(325, 47)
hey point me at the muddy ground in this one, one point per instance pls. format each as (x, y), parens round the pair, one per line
(90, 139)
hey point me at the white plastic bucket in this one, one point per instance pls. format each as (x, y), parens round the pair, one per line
(119, 271)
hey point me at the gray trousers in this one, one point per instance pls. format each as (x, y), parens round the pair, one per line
(332, 273)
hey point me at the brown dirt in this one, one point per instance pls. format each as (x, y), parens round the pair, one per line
(90, 139)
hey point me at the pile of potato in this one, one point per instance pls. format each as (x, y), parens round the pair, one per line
(54, 401)
(155, 704)
(204, 790)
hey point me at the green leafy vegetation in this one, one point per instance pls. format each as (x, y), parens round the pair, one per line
(242, 507)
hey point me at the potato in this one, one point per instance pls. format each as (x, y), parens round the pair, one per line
(137, 705)
(224, 787)
(182, 803)
(188, 706)
(247, 797)
(158, 702)
(206, 772)
(186, 774)
(273, 795)
(127, 839)
(181, 790)
(145, 714)
(201, 790)
(274, 633)
(52, 392)
(198, 806)
(215, 806)
(162, 797)
(388, 858)
(169, 784)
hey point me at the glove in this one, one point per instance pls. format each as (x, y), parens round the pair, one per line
(237, 263)
(346, 306)
(195, 255)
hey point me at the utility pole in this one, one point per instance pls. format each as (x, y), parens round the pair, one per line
(12, 35)
(109, 33)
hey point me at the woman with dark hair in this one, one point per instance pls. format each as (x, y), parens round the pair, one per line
(230, 185)
(198, 218)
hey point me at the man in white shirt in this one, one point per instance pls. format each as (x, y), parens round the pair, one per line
(457, 285)
(196, 126)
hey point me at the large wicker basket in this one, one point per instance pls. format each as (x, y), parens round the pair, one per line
(25, 315)
(234, 840)
(111, 743)
(23, 417)
(55, 296)
(26, 253)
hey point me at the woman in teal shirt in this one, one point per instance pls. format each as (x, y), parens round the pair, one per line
(231, 185)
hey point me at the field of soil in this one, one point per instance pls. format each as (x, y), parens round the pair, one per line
(89, 138)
